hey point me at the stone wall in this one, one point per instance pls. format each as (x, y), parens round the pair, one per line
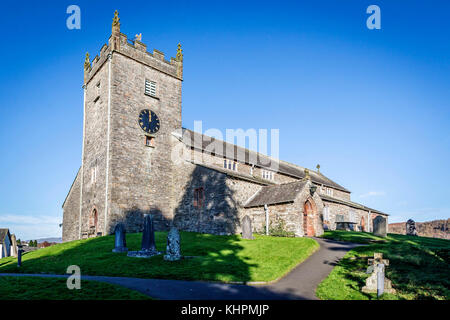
(141, 176)
(335, 209)
(95, 147)
(433, 229)
(224, 195)
(335, 193)
(290, 214)
(71, 210)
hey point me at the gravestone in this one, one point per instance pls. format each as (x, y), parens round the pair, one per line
(411, 228)
(148, 248)
(173, 250)
(379, 226)
(19, 255)
(247, 228)
(377, 281)
(13, 245)
(120, 241)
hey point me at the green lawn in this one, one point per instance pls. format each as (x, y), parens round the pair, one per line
(217, 258)
(32, 288)
(419, 267)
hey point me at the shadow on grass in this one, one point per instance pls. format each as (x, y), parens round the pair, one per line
(224, 258)
(217, 258)
(214, 258)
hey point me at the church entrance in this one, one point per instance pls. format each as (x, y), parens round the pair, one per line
(309, 215)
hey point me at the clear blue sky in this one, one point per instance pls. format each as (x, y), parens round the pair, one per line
(371, 106)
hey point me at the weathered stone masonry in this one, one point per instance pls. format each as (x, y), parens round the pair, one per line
(181, 177)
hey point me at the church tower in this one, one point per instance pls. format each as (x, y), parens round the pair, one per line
(132, 104)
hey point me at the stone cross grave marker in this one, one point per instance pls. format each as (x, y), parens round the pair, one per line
(377, 282)
(247, 228)
(120, 241)
(379, 226)
(173, 250)
(148, 248)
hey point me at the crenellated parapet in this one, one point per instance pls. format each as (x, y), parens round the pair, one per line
(136, 50)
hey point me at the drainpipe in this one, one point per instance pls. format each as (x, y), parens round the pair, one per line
(266, 210)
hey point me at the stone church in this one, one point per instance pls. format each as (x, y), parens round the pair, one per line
(132, 129)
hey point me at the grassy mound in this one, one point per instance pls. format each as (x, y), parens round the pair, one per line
(419, 267)
(33, 288)
(211, 257)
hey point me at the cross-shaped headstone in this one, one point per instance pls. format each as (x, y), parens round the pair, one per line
(377, 259)
(377, 282)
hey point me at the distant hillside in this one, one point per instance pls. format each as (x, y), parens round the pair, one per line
(432, 229)
(57, 240)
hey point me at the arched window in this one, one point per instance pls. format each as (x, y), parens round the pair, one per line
(93, 223)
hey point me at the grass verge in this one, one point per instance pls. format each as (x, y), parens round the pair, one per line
(34, 288)
(419, 267)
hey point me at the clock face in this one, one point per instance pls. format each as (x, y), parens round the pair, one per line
(149, 121)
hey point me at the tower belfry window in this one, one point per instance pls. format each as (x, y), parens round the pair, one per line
(150, 88)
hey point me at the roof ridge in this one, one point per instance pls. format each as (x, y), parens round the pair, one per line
(284, 167)
(257, 152)
(360, 205)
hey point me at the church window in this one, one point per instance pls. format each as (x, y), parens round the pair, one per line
(326, 213)
(266, 174)
(94, 174)
(329, 191)
(150, 88)
(149, 141)
(229, 164)
(199, 196)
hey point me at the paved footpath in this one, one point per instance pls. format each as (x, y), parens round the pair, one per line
(299, 284)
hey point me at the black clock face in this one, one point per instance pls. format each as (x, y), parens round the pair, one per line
(149, 121)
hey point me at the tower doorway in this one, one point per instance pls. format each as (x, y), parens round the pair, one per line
(93, 223)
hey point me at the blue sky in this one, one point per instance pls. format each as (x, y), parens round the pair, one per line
(371, 106)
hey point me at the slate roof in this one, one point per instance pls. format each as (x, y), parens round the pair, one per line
(3, 234)
(280, 193)
(350, 204)
(231, 151)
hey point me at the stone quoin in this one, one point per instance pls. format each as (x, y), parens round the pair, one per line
(132, 126)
